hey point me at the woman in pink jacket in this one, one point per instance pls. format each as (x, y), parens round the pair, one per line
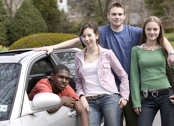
(95, 82)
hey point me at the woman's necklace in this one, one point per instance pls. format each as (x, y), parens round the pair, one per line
(151, 48)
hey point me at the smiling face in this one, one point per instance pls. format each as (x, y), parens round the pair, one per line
(59, 80)
(116, 17)
(89, 37)
(152, 31)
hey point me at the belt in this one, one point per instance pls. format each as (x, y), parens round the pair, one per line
(158, 92)
(95, 97)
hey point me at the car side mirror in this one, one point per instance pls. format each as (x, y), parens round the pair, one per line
(45, 101)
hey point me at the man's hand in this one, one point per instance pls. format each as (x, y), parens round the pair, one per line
(49, 49)
(68, 101)
(170, 60)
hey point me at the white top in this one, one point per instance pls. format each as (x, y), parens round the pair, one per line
(93, 85)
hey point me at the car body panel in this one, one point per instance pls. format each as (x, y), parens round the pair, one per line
(22, 113)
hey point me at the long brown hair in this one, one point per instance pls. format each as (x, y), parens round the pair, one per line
(160, 39)
(90, 24)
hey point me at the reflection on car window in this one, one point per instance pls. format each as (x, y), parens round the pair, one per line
(8, 83)
(40, 67)
(68, 59)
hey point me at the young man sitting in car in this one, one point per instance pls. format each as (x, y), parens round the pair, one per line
(58, 84)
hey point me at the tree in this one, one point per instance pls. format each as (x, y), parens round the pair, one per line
(12, 6)
(168, 8)
(163, 9)
(50, 13)
(28, 20)
(88, 10)
(4, 22)
(92, 10)
(154, 7)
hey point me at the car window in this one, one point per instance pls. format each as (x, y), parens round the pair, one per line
(8, 84)
(68, 59)
(38, 71)
(40, 67)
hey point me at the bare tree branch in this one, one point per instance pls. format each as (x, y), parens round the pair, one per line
(12, 6)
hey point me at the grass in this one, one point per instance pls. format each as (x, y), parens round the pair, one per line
(169, 34)
(170, 37)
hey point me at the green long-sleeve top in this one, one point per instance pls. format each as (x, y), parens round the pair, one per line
(148, 68)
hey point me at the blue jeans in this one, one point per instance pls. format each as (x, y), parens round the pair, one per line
(150, 107)
(106, 107)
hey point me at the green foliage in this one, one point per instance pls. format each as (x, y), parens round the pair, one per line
(28, 20)
(2, 48)
(169, 29)
(94, 10)
(155, 7)
(170, 37)
(42, 39)
(56, 20)
(71, 27)
(4, 22)
(161, 8)
(50, 13)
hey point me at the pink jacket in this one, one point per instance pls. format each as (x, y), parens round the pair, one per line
(107, 60)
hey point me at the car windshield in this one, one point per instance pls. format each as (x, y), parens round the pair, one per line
(8, 84)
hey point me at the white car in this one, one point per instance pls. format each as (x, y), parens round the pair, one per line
(19, 72)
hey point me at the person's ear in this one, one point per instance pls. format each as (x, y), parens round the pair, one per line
(97, 36)
(124, 16)
(108, 15)
(52, 76)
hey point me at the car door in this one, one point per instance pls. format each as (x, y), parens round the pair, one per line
(63, 117)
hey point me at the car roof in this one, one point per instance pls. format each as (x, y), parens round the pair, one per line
(14, 56)
(13, 52)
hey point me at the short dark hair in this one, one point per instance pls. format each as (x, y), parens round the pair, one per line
(116, 4)
(59, 67)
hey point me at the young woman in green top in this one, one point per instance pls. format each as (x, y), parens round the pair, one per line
(150, 88)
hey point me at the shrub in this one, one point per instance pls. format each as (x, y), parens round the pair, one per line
(28, 20)
(169, 29)
(50, 13)
(170, 38)
(42, 39)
